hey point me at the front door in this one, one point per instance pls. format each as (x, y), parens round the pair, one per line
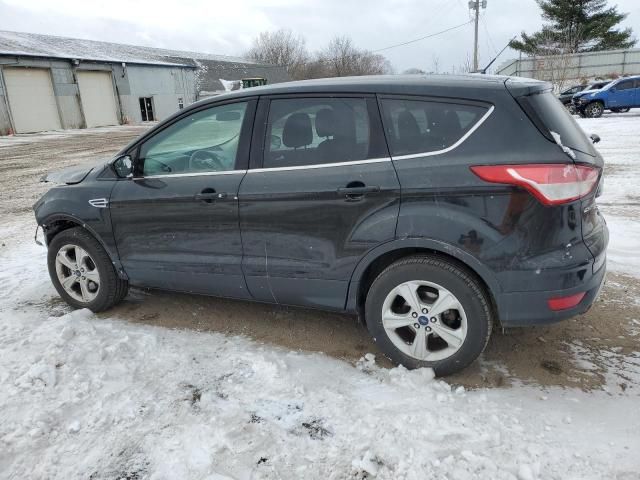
(176, 222)
(623, 95)
(323, 194)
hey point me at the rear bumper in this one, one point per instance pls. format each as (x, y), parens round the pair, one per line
(520, 309)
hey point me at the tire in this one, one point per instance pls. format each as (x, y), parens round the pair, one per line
(76, 258)
(615, 110)
(594, 110)
(469, 319)
(622, 110)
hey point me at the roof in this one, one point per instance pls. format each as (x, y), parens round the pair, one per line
(475, 85)
(50, 46)
(210, 68)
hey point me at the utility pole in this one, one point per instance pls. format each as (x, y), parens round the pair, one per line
(475, 5)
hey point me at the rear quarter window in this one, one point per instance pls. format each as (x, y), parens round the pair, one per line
(423, 126)
(549, 115)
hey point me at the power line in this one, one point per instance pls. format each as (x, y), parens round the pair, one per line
(421, 38)
(371, 51)
(486, 30)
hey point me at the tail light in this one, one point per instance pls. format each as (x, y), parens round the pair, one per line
(552, 184)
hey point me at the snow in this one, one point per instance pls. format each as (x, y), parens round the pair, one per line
(565, 149)
(620, 202)
(94, 396)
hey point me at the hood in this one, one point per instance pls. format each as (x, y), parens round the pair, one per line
(72, 175)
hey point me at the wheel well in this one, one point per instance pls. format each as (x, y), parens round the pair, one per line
(383, 261)
(53, 228)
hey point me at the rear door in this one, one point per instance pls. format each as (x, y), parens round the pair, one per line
(320, 193)
(176, 222)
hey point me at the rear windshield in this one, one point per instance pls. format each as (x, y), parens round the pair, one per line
(549, 115)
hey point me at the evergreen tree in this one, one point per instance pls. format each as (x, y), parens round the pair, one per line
(576, 26)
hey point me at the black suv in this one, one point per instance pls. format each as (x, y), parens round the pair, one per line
(433, 207)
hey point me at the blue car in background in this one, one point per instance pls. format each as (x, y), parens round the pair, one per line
(618, 96)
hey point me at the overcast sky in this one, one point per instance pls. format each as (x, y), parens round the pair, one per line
(227, 27)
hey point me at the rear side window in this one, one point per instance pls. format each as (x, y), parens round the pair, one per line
(421, 126)
(313, 131)
(549, 115)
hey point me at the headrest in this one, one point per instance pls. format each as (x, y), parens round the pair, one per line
(407, 125)
(297, 131)
(325, 122)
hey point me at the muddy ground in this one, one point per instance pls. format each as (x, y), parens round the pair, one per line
(598, 350)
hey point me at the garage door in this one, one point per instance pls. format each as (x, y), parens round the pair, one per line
(31, 100)
(98, 100)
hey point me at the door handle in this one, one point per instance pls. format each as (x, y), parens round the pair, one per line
(209, 195)
(357, 192)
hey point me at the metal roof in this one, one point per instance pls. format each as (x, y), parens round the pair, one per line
(50, 46)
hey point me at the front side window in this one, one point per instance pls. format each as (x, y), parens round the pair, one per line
(312, 131)
(626, 85)
(205, 141)
(421, 126)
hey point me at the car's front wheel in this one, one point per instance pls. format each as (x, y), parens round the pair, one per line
(594, 110)
(424, 311)
(82, 272)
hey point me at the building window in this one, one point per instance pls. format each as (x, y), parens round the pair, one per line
(146, 109)
(180, 103)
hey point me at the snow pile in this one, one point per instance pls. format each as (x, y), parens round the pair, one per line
(106, 399)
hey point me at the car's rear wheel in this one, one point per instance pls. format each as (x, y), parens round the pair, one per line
(82, 272)
(594, 110)
(620, 110)
(424, 311)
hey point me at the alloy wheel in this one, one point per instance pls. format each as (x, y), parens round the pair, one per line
(595, 110)
(77, 273)
(424, 320)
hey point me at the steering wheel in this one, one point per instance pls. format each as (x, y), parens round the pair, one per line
(206, 160)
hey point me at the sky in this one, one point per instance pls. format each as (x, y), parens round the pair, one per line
(228, 27)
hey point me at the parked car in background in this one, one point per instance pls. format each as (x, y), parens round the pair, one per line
(618, 96)
(566, 96)
(435, 208)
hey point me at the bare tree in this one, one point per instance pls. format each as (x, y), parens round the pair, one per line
(435, 62)
(466, 66)
(342, 58)
(282, 48)
(553, 58)
(414, 71)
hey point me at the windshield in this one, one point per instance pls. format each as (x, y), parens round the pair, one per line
(549, 115)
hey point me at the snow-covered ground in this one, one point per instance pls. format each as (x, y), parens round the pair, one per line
(85, 396)
(620, 203)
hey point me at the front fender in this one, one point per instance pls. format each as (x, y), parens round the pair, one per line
(77, 204)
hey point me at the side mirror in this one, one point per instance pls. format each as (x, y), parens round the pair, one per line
(612, 89)
(594, 138)
(123, 166)
(276, 143)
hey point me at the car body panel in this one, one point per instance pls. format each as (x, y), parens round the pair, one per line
(165, 236)
(302, 238)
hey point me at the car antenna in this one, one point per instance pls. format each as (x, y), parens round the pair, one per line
(484, 70)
